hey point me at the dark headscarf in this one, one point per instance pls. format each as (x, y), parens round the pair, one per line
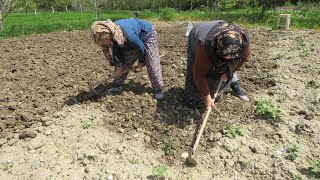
(224, 46)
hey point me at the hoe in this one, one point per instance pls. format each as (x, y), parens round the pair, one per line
(191, 151)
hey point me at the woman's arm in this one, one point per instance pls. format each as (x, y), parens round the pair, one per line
(201, 67)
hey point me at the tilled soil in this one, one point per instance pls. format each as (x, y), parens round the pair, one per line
(44, 80)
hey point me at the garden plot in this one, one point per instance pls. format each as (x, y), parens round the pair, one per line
(52, 126)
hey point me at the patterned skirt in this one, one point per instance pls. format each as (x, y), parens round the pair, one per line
(152, 62)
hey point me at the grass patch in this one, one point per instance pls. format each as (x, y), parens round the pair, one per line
(293, 151)
(265, 110)
(168, 146)
(314, 168)
(233, 131)
(159, 172)
(19, 24)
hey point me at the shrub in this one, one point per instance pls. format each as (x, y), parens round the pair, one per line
(159, 172)
(314, 169)
(167, 14)
(265, 110)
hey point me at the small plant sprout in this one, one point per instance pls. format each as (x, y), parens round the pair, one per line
(106, 148)
(85, 125)
(7, 165)
(159, 172)
(312, 84)
(133, 161)
(92, 117)
(265, 110)
(293, 151)
(168, 146)
(165, 130)
(297, 176)
(314, 168)
(233, 131)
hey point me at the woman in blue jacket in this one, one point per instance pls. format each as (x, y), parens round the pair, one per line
(123, 42)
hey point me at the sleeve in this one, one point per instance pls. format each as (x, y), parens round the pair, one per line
(107, 54)
(139, 45)
(201, 67)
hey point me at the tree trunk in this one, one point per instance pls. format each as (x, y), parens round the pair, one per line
(191, 5)
(1, 24)
(97, 14)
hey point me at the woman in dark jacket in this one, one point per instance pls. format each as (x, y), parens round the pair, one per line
(123, 42)
(216, 49)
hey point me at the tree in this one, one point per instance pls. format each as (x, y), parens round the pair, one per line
(96, 5)
(6, 7)
(26, 4)
(62, 3)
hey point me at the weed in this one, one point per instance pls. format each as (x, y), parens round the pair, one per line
(265, 110)
(133, 161)
(168, 146)
(107, 148)
(280, 56)
(293, 151)
(297, 176)
(159, 172)
(92, 117)
(115, 176)
(312, 109)
(314, 168)
(233, 131)
(245, 163)
(165, 131)
(7, 165)
(86, 125)
(312, 84)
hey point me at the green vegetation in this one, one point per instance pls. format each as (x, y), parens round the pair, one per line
(7, 165)
(314, 168)
(159, 172)
(293, 151)
(168, 146)
(85, 125)
(107, 148)
(233, 131)
(265, 110)
(165, 131)
(18, 24)
(297, 177)
(312, 84)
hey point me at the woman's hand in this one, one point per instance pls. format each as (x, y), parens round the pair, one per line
(208, 101)
(224, 77)
(118, 72)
